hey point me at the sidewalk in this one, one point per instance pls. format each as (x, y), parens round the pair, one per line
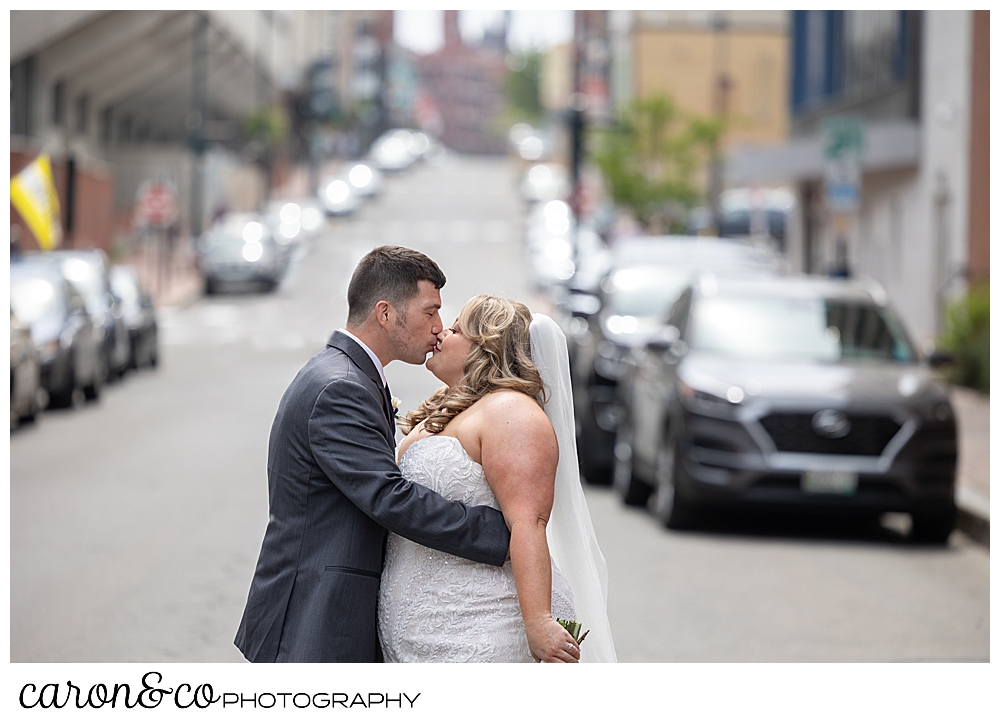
(175, 284)
(972, 488)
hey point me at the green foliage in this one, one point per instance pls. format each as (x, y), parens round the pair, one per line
(522, 86)
(267, 126)
(967, 338)
(651, 158)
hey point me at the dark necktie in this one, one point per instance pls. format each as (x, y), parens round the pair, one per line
(389, 411)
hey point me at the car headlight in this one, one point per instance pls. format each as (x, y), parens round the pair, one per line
(734, 395)
(337, 192)
(253, 250)
(360, 176)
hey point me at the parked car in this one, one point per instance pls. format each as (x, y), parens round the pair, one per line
(545, 182)
(69, 347)
(139, 315)
(398, 149)
(789, 392)
(295, 220)
(89, 273)
(26, 399)
(365, 179)
(338, 196)
(240, 249)
(646, 277)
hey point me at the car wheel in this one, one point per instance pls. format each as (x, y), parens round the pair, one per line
(596, 472)
(62, 398)
(670, 506)
(634, 492)
(933, 527)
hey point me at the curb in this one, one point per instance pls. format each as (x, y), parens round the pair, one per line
(973, 515)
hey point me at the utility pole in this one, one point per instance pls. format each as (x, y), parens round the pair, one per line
(197, 118)
(577, 106)
(721, 107)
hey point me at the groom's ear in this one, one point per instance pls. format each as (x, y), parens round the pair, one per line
(382, 311)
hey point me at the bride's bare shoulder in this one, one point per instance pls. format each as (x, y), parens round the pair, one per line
(516, 410)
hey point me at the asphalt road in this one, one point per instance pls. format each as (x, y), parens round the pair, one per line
(136, 521)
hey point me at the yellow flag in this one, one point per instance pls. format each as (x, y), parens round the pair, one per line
(33, 194)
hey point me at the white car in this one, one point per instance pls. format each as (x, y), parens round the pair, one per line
(338, 197)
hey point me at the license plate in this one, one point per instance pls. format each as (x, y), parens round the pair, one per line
(830, 483)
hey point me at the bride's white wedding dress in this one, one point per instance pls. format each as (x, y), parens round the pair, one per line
(438, 608)
(435, 607)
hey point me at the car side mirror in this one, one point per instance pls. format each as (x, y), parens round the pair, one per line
(937, 359)
(664, 338)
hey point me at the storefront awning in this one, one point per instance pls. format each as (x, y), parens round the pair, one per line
(888, 145)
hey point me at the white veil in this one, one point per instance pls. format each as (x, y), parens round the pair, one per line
(570, 531)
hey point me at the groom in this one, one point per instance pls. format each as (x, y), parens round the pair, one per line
(333, 484)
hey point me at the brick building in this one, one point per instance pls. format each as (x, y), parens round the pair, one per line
(467, 85)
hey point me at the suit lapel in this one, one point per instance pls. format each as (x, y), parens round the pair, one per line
(364, 362)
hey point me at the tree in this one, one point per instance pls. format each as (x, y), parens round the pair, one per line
(265, 128)
(651, 158)
(522, 86)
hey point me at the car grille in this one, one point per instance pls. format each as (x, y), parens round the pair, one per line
(794, 433)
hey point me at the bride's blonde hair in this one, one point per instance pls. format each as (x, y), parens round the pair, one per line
(500, 359)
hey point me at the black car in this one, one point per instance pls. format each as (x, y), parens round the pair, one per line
(646, 276)
(787, 393)
(139, 315)
(69, 349)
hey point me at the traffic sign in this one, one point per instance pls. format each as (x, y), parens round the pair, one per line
(156, 205)
(843, 148)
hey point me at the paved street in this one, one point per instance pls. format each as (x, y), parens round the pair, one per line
(136, 521)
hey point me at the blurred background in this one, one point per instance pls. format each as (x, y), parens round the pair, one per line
(764, 233)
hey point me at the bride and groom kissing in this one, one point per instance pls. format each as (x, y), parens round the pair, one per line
(467, 542)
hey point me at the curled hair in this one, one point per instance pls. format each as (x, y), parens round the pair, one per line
(500, 359)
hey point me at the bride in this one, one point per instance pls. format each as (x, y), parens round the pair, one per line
(499, 433)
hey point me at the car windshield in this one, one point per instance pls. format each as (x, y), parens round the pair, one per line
(87, 277)
(35, 298)
(645, 292)
(785, 329)
(125, 287)
(224, 242)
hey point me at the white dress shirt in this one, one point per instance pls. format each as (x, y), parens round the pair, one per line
(378, 362)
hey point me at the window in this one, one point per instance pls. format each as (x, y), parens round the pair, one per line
(82, 114)
(106, 124)
(59, 103)
(21, 97)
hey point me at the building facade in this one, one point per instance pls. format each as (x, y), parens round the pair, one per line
(729, 63)
(117, 98)
(917, 84)
(466, 85)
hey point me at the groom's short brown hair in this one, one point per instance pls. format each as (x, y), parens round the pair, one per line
(388, 273)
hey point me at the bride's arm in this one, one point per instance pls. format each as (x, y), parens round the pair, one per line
(519, 457)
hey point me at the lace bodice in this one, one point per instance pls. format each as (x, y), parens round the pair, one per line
(436, 607)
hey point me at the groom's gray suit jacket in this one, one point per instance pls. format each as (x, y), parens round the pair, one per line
(334, 488)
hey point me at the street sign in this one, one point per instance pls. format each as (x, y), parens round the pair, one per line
(843, 149)
(156, 205)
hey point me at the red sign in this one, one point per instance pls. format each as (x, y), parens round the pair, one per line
(156, 205)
